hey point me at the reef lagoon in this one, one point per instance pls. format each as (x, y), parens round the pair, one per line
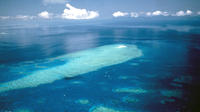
(102, 67)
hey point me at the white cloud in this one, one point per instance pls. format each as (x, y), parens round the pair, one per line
(182, 13)
(157, 13)
(54, 1)
(165, 13)
(75, 13)
(134, 14)
(149, 14)
(160, 13)
(188, 12)
(45, 15)
(119, 13)
(25, 17)
(4, 17)
(198, 13)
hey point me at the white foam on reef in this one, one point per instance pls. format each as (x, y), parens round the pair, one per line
(121, 46)
(76, 64)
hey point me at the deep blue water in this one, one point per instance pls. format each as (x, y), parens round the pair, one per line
(168, 71)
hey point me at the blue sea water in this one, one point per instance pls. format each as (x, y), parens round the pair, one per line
(164, 79)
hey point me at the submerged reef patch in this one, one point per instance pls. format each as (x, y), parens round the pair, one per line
(76, 82)
(105, 109)
(172, 93)
(82, 101)
(76, 64)
(128, 99)
(183, 79)
(22, 110)
(167, 101)
(130, 90)
(123, 77)
(134, 64)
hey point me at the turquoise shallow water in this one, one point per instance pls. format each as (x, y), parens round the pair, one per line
(163, 79)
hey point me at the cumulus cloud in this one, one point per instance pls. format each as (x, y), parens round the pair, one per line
(119, 14)
(4, 17)
(54, 1)
(25, 17)
(182, 13)
(198, 13)
(160, 13)
(45, 15)
(165, 13)
(157, 13)
(75, 13)
(188, 12)
(134, 14)
(148, 14)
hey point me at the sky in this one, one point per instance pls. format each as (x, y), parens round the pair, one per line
(97, 8)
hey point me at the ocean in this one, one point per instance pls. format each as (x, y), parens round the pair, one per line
(164, 78)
